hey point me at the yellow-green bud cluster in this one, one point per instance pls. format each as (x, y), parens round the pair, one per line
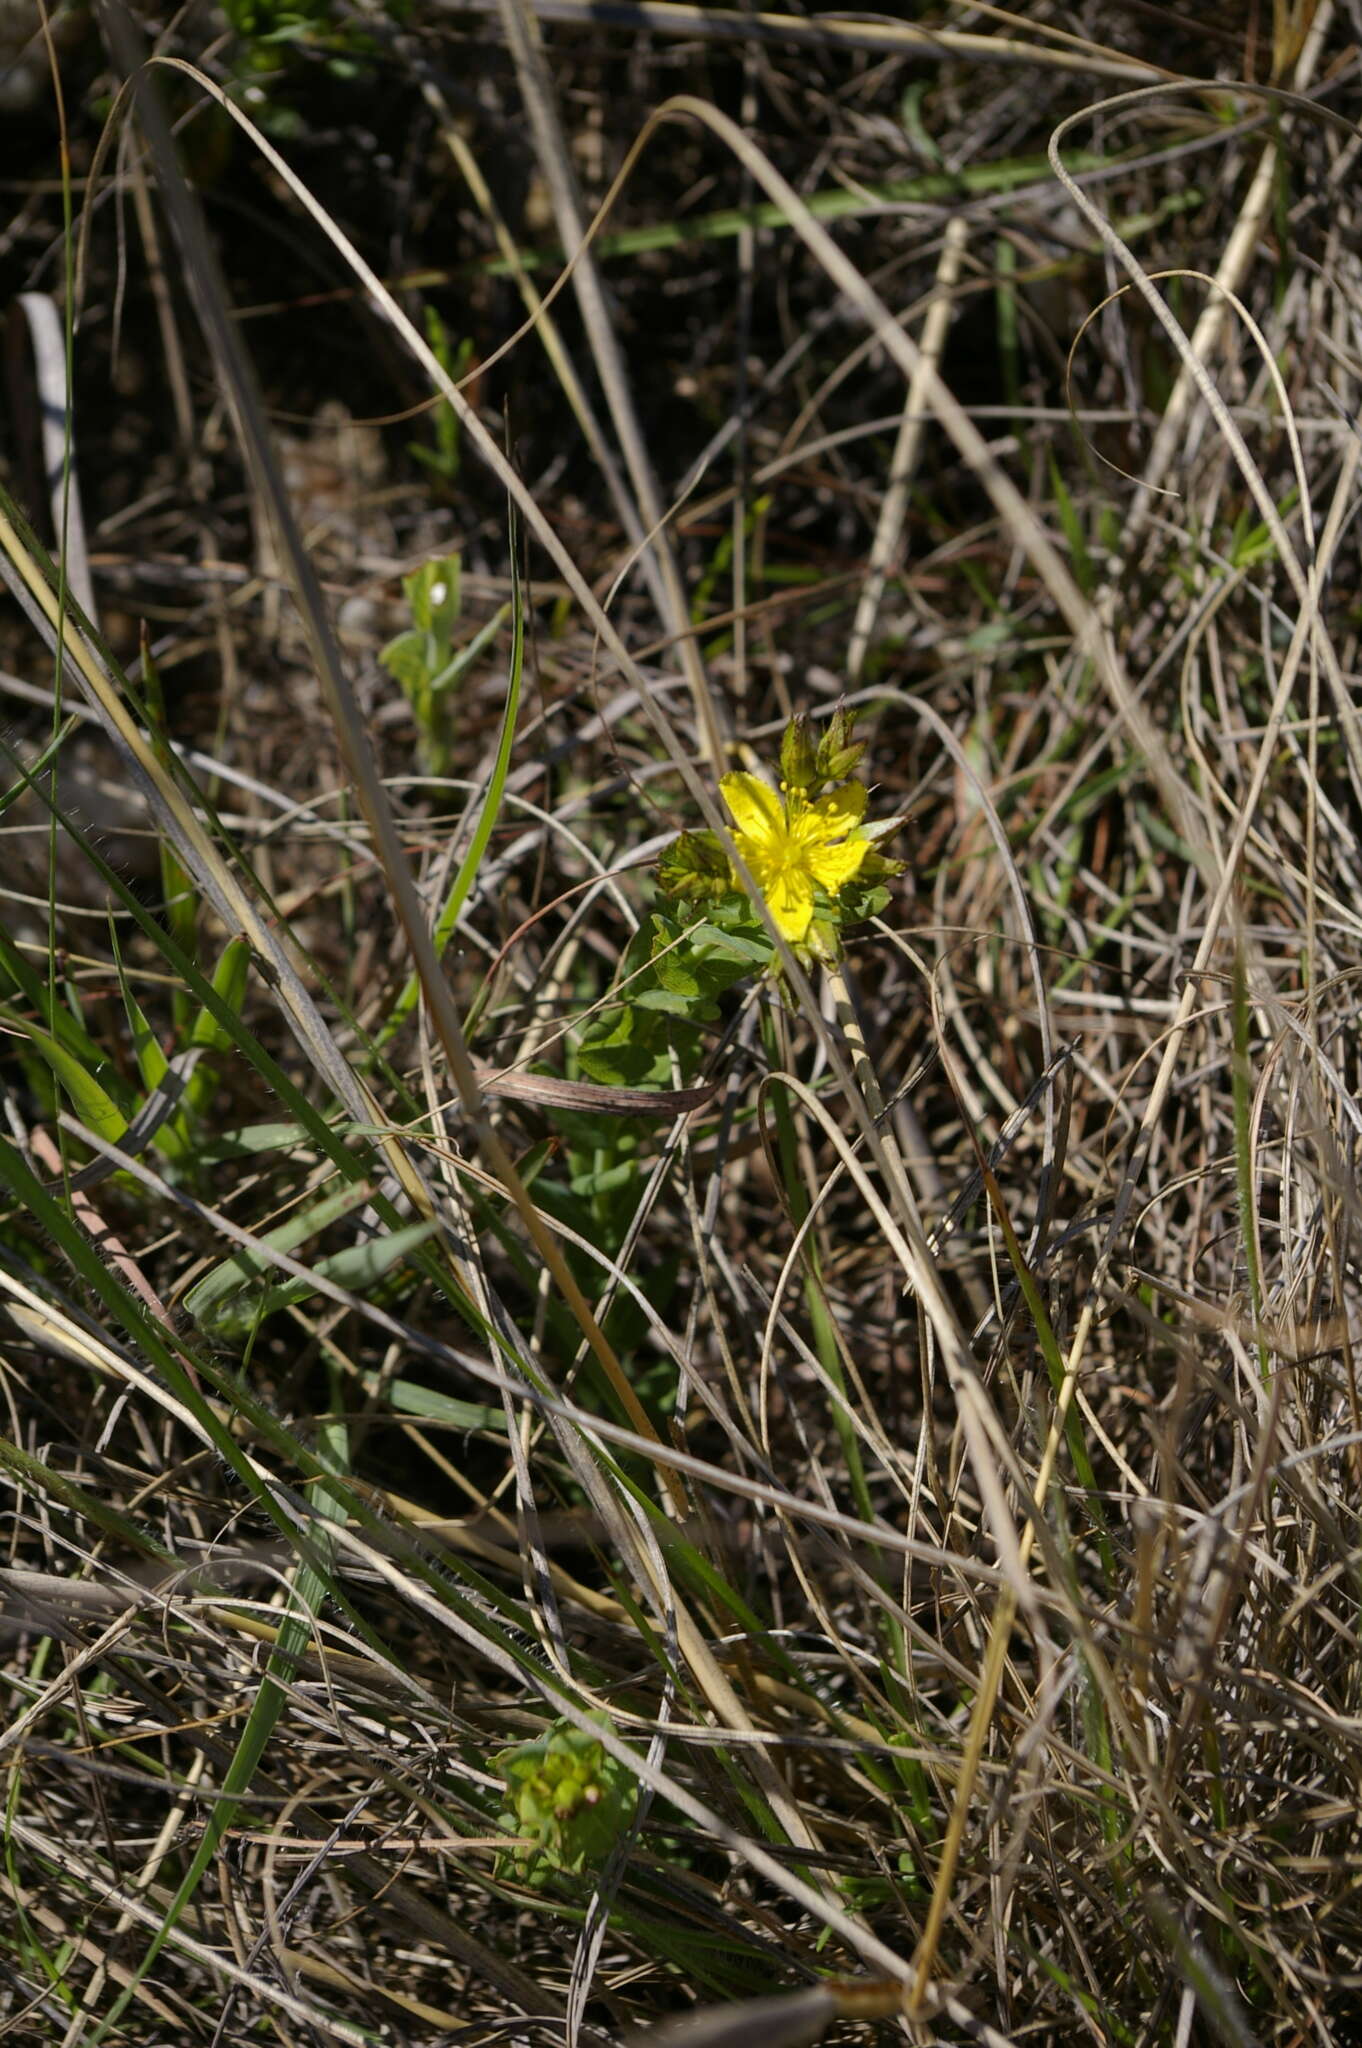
(567, 1800)
(806, 769)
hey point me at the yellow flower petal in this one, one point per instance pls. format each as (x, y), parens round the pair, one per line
(832, 817)
(757, 811)
(789, 898)
(765, 860)
(831, 866)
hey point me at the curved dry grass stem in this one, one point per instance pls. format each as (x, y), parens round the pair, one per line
(908, 446)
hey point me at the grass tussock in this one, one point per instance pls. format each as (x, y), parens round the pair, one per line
(585, 1448)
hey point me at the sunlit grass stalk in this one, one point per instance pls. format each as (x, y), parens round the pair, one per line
(1241, 1079)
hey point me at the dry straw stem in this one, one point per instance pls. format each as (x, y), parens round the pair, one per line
(232, 902)
(555, 348)
(48, 342)
(1062, 52)
(221, 1968)
(1194, 370)
(908, 446)
(1217, 863)
(1308, 635)
(658, 555)
(200, 858)
(1234, 263)
(53, 1326)
(413, 1590)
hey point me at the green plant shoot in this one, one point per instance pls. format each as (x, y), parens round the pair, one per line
(567, 1800)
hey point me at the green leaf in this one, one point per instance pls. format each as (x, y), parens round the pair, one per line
(676, 975)
(405, 660)
(733, 945)
(90, 1100)
(673, 1003)
(435, 594)
(172, 1138)
(358, 1269)
(615, 1028)
(249, 1268)
(1072, 525)
(604, 1180)
(229, 983)
(694, 868)
(58, 1019)
(406, 1397)
(152, 1063)
(248, 1141)
(463, 660)
(624, 1066)
(859, 900)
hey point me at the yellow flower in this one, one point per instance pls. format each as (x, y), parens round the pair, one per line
(790, 846)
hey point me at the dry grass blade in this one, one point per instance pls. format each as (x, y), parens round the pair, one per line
(523, 40)
(1064, 52)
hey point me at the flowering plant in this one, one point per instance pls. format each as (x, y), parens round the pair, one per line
(567, 1800)
(803, 847)
(817, 869)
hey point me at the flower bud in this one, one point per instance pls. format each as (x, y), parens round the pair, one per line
(838, 753)
(798, 760)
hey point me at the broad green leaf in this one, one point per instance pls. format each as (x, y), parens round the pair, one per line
(405, 659)
(735, 945)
